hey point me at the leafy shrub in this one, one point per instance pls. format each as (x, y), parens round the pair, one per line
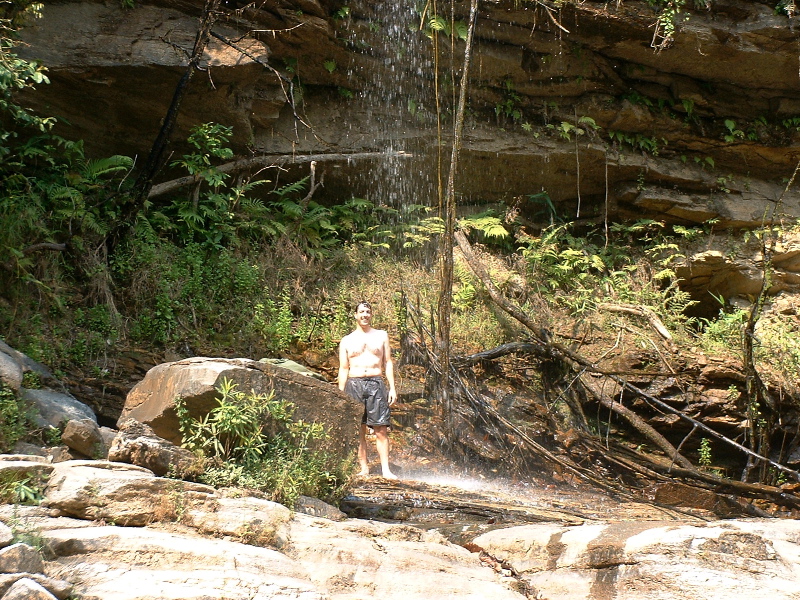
(723, 334)
(251, 441)
(18, 488)
(15, 419)
(633, 265)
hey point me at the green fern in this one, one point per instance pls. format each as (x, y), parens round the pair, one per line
(485, 223)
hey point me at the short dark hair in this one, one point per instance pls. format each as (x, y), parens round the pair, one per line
(363, 303)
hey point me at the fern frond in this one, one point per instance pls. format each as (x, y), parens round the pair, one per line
(488, 225)
(104, 166)
(292, 188)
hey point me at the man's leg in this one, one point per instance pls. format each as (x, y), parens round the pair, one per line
(362, 450)
(382, 442)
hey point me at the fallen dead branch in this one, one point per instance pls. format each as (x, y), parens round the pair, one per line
(641, 311)
(579, 366)
(269, 161)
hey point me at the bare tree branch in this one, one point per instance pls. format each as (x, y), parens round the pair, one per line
(268, 161)
(53, 247)
(560, 351)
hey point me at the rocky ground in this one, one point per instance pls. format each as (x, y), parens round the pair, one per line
(113, 531)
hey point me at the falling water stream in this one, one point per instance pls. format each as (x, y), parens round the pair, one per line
(398, 101)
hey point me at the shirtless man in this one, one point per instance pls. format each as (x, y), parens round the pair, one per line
(364, 355)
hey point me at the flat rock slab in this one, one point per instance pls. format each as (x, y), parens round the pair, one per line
(356, 559)
(757, 558)
(118, 563)
(120, 493)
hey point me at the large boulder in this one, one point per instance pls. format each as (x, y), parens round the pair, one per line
(195, 380)
(55, 409)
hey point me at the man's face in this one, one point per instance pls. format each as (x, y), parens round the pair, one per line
(363, 315)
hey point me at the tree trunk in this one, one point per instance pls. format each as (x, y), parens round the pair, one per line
(155, 160)
(446, 241)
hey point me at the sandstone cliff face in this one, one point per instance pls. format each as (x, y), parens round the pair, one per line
(704, 127)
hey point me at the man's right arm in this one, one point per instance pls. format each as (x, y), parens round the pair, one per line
(344, 365)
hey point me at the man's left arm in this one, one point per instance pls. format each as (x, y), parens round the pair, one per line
(344, 364)
(389, 369)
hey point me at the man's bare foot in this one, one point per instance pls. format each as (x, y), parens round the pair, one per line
(363, 473)
(389, 475)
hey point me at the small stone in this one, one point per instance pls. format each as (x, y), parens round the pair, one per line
(84, 436)
(58, 587)
(317, 508)
(10, 372)
(28, 589)
(21, 558)
(6, 535)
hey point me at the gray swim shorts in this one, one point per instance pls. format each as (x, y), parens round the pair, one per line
(371, 392)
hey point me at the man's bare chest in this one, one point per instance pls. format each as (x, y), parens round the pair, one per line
(367, 346)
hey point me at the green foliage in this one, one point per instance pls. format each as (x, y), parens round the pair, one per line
(637, 141)
(175, 291)
(731, 132)
(16, 420)
(54, 194)
(509, 106)
(786, 7)
(704, 458)
(466, 293)
(31, 380)
(667, 21)
(233, 430)
(724, 333)
(253, 442)
(209, 139)
(777, 347)
(635, 266)
(792, 123)
(436, 24)
(17, 74)
(566, 130)
(212, 214)
(273, 320)
(19, 488)
(688, 108)
(329, 65)
(704, 162)
(486, 223)
(548, 211)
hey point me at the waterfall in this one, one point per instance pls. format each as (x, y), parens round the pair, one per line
(398, 100)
